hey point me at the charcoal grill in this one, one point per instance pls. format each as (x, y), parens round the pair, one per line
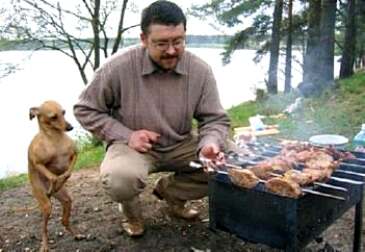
(289, 224)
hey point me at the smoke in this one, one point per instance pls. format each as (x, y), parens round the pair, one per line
(302, 119)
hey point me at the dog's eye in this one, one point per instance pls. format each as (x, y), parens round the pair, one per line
(54, 117)
(63, 112)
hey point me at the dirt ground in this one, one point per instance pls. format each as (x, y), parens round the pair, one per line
(98, 218)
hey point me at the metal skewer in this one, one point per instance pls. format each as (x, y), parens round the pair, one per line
(305, 190)
(337, 170)
(315, 183)
(322, 194)
(351, 172)
(318, 184)
(338, 188)
(348, 181)
(310, 191)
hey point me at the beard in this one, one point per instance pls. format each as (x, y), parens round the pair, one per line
(165, 61)
(168, 62)
(167, 57)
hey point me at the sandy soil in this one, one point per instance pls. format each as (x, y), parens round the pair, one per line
(99, 219)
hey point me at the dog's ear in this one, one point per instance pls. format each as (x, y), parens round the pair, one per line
(33, 112)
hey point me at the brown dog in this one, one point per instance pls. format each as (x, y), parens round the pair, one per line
(51, 157)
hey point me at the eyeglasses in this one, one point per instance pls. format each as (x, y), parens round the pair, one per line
(165, 45)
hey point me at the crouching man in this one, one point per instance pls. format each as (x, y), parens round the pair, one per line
(141, 102)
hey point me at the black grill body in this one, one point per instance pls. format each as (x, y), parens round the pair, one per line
(259, 216)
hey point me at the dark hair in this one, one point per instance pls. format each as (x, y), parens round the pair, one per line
(162, 12)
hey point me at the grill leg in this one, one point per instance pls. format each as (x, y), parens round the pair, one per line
(358, 227)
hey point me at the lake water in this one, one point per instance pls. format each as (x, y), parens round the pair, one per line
(49, 75)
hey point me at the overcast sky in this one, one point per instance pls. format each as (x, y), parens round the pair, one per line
(195, 26)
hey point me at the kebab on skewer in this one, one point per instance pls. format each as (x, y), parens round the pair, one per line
(246, 178)
(243, 178)
(282, 186)
(303, 151)
(318, 167)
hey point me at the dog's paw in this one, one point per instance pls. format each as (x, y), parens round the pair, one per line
(44, 248)
(50, 190)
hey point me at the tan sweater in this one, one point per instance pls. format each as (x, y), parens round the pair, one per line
(129, 93)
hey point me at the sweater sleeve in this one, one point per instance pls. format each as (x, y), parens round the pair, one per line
(213, 121)
(94, 107)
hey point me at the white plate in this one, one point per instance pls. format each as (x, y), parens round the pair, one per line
(325, 140)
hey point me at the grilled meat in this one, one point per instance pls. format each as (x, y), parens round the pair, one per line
(277, 165)
(295, 146)
(318, 175)
(284, 187)
(301, 178)
(339, 155)
(280, 175)
(243, 178)
(301, 152)
(308, 176)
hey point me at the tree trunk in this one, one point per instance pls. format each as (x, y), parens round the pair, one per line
(360, 23)
(349, 48)
(312, 50)
(272, 85)
(327, 43)
(118, 38)
(95, 25)
(289, 43)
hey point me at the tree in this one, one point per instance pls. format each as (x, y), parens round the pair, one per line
(52, 26)
(256, 35)
(349, 48)
(232, 13)
(360, 50)
(272, 85)
(327, 44)
(288, 56)
(319, 59)
(310, 63)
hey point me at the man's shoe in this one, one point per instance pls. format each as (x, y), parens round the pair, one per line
(132, 211)
(177, 208)
(184, 212)
(133, 228)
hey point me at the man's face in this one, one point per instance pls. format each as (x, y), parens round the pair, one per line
(165, 44)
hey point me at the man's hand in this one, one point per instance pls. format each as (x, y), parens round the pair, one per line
(142, 140)
(212, 152)
(211, 156)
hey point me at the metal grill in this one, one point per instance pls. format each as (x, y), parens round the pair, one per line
(285, 223)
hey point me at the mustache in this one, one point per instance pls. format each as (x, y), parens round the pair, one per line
(169, 57)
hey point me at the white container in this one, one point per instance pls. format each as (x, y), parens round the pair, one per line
(326, 140)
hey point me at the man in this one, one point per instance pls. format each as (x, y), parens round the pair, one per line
(142, 103)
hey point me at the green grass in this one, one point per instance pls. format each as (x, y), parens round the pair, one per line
(90, 157)
(90, 152)
(239, 114)
(340, 111)
(13, 181)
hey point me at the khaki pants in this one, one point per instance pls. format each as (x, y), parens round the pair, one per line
(124, 172)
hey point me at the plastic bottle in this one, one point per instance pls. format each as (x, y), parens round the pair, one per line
(359, 140)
